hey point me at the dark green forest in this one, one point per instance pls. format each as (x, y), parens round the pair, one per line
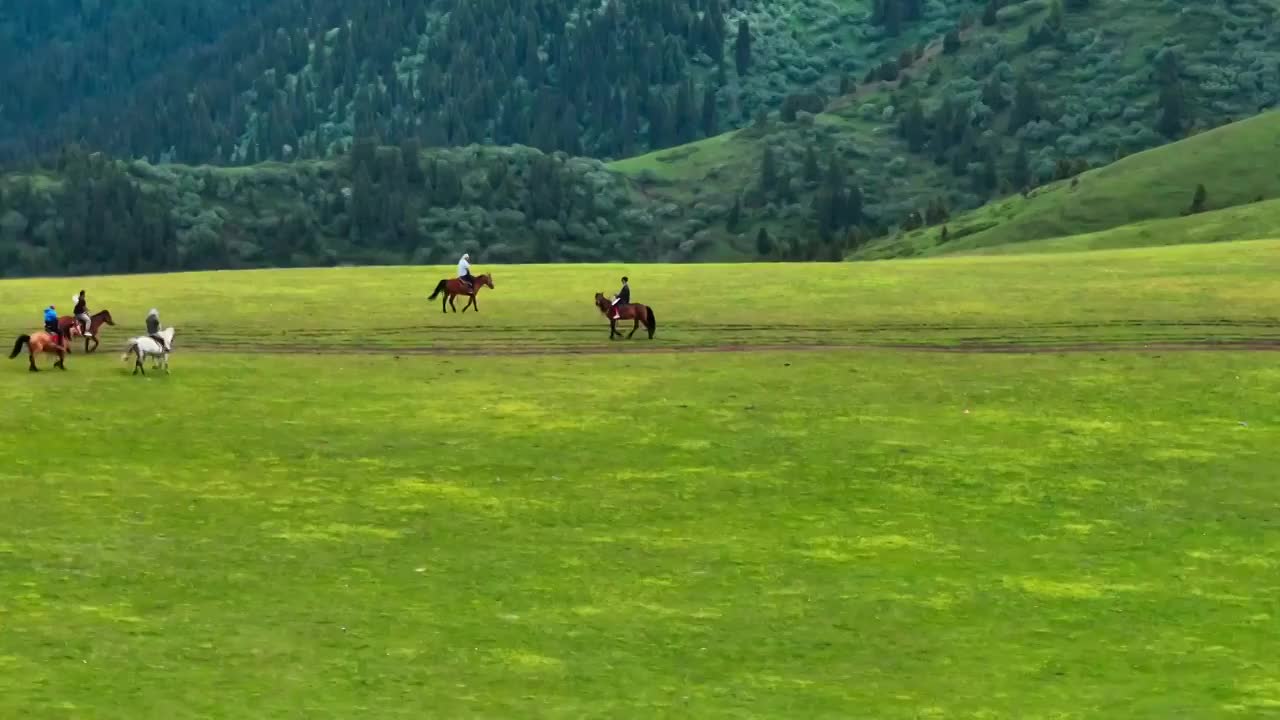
(229, 81)
(319, 132)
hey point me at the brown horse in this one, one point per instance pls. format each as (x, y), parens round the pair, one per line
(43, 342)
(635, 311)
(96, 321)
(453, 287)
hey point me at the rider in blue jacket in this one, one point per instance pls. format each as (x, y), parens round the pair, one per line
(51, 322)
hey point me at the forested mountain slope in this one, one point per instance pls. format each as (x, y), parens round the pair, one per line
(377, 205)
(1027, 94)
(788, 129)
(233, 81)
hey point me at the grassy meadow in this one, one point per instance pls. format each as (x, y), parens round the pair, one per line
(779, 533)
(1179, 294)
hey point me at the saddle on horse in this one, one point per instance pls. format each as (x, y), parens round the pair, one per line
(58, 340)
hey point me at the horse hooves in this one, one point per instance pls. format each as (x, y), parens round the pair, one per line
(33, 369)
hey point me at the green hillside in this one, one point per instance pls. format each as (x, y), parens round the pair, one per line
(1102, 206)
(1255, 221)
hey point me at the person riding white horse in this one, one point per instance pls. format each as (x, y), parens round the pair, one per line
(153, 328)
(144, 346)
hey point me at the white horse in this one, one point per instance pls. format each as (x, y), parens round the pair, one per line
(143, 347)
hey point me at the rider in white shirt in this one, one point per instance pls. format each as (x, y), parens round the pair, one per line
(464, 271)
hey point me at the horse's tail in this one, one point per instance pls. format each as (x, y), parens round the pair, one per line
(17, 346)
(440, 287)
(132, 347)
(651, 321)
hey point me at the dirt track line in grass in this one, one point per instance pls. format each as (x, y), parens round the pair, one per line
(770, 327)
(634, 347)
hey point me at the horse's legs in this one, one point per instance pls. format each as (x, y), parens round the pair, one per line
(613, 328)
(61, 364)
(138, 364)
(31, 357)
(634, 327)
(451, 305)
(471, 300)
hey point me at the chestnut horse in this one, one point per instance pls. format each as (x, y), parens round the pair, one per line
(96, 321)
(453, 287)
(634, 311)
(43, 342)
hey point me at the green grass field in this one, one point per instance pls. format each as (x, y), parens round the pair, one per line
(1179, 294)
(331, 533)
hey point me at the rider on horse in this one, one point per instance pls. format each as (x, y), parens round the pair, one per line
(51, 323)
(622, 298)
(464, 272)
(153, 329)
(82, 314)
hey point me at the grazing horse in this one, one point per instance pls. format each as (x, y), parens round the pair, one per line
(143, 347)
(452, 287)
(42, 342)
(96, 321)
(635, 311)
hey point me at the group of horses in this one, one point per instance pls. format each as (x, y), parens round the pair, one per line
(640, 314)
(141, 347)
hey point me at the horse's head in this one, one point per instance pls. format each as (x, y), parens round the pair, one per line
(105, 316)
(167, 334)
(602, 302)
(486, 280)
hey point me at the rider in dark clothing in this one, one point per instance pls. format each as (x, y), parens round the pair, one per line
(82, 314)
(622, 298)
